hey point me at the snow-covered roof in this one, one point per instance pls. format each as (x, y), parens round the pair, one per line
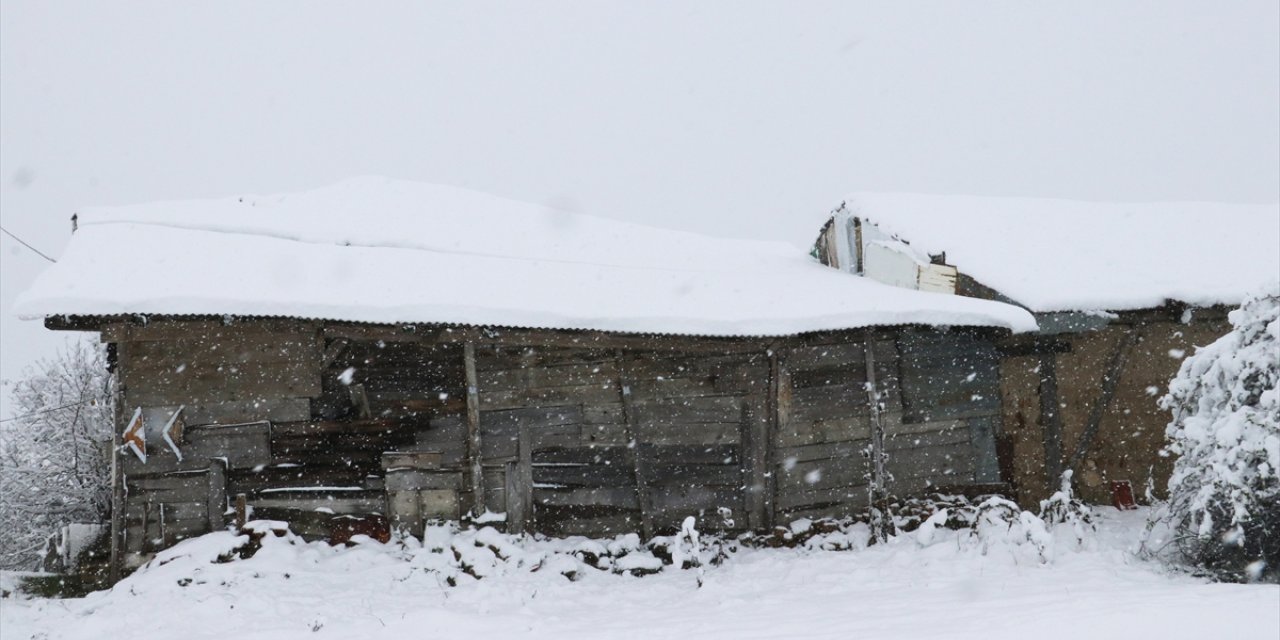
(387, 251)
(1058, 255)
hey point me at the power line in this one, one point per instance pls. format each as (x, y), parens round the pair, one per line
(24, 243)
(44, 411)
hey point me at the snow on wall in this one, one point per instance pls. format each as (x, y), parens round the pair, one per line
(386, 251)
(1057, 255)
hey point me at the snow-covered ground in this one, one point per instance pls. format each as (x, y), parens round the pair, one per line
(905, 589)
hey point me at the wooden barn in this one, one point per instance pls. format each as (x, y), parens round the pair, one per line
(1120, 294)
(389, 352)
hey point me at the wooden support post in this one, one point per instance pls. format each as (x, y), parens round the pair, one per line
(1051, 417)
(781, 415)
(515, 503)
(524, 484)
(1110, 381)
(117, 476)
(474, 453)
(117, 503)
(643, 499)
(148, 544)
(764, 428)
(217, 500)
(881, 523)
(519, 484)
(242, 510)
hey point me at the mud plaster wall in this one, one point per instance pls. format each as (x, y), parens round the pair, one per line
(1131, 432)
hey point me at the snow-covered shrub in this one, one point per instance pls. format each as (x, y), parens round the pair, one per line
(1063, 510)
(826, 534)
(54, 458)
(994, 522)
(1224, 494)
(1002, 523)
(912, 513)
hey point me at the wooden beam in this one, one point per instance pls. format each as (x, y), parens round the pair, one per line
(765, 429)
(117, 478)
(177, 328)
(473, 429)
(515, 504)
(882, 526)
(524, 480)
(1051, 417)
(643, 499)
(1110, 380)
(775, 426)
(217, 501)
(1023, 345)
(242, 510)
(332, 351)
(385, 332)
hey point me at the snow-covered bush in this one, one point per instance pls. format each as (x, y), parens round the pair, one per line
(1064, 510)
(1224, 491)
(1001, 523)
(54, 458)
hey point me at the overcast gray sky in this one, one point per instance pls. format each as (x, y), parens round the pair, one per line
(733, 118)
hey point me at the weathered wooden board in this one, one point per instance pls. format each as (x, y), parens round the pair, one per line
(288, 349)
(948, 376)
(329, 502)
(447, 436)
(613, 496)
(823, 474)
(942, 464)
(393, 460)
(837, 501)
(169, 487)
(595, 520)
(241, 412)
(827, 430)
(704, 434)
(684, 474)
(727, 454)
(602, 455)
(261, 385)
(543, 377)
(672, 504)
(312, 474)
(548, 397)
(572, 475)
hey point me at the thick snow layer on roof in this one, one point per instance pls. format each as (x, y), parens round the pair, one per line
(1058, 255)
(379, 250)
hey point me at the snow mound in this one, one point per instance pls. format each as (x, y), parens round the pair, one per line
(291, 589)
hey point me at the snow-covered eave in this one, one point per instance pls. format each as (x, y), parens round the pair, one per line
(1057, 256)
(96, 322)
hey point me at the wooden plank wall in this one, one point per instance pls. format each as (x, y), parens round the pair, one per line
(223, 374)
(951, 412)
(564, 405)
(608, 430)
(941, 406)
(1131, 431)
(824, 426)
(573, 439)
(692, 422)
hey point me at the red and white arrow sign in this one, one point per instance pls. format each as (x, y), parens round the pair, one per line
(133, 437)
